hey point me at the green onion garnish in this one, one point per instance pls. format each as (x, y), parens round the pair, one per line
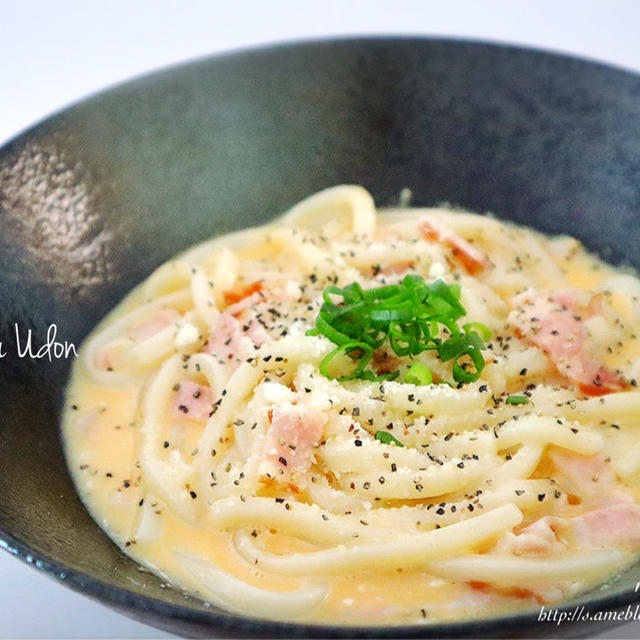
(418, 374)
(481, 329)
(517, 400)
(362, 354)
(409, 315)
(465, 344)
(386, 438)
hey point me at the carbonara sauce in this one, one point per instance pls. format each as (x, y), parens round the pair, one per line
(370, 455)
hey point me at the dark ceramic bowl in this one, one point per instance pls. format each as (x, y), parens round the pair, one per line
(93, 199)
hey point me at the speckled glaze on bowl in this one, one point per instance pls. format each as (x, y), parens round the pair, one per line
(96, 197)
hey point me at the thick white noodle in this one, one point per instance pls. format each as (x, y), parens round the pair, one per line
(235, 594)
(113, 330)
(624, 405)
(405, 484)
(409, 552)
(521, 465)
(546, 430)
(204, 298)
(347, 206)
(516, 571)
(166, 477)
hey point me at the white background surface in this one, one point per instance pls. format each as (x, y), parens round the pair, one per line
(55, 52)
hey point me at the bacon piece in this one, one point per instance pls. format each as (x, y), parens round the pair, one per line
(603, 381)
(479, 585)
(513, 592)
(588, 480)
(585, 474)
(473, 260)
(243, 304)
(538, 538)
(616, 524)
(553, 322)
(192, 400)
(397, 268)
(615, 520)
(611, 516)
(237, 333)
(526, 594)
(233, 296)
(294, 433)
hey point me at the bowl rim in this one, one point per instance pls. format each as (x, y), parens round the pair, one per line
(171, 616)
(129, 603)
(315, 41)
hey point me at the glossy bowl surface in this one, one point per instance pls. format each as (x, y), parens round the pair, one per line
(94, 198)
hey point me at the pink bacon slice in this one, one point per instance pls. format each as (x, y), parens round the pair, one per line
(293, 435)
(614, 524)
(473, 260)
(538, 538)
(237, 332)
(553, 322)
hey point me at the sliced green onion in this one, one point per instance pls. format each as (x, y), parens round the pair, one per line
(481, 329)
(413, 315)
(352, 292)
(326, 294)
(380, 293)
(450, 294)
(402, 343)
(385, 316)
(386, 438)
(327, 329)
(461, 374)
(517, 400)
(469, 344)
(418, 374)
(345, 350)
(459, 345)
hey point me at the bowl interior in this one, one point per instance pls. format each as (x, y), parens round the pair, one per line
(93, 199)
